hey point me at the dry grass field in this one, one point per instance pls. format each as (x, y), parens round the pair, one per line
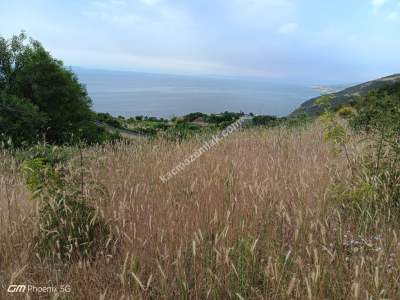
(253, 218)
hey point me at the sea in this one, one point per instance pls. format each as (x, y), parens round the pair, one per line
(128, 94)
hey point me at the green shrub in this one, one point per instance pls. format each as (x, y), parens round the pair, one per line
(358, 200)
(297, 121)
(194, 116)
(374, 189)
(346, 112)
(180, 131)
(51, 155)
(69, 228)
(109, 120)
(265, 121)
(226, 118)
(372, 192)
(379, 111)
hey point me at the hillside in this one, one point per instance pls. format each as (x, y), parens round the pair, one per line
(257, 217)
(349, 94)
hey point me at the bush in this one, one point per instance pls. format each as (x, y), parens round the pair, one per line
(265, 120)
(180, 131)
(194, 116)
(346, 112)
(226, 117)
(109, 120)
(374, 189)
(69, 228)
(372, 193)
(161, 126)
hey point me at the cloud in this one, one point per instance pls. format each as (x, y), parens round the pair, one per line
(150, 2)
(288, 28)
(158, 29)
(129, 13)
(125, 61)
(378, 3)
(257, 6)
(391, 11)
(393, 16)
(261, 13)
(119, 2)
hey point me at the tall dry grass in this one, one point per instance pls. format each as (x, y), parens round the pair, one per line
(251, 219)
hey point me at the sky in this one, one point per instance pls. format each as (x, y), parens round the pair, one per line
(302, 41)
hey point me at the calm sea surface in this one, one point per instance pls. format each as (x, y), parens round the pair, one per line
(131, 94)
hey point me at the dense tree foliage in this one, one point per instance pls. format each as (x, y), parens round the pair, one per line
(265, 120)
(20, 120)
(194, 116)
(40, 98)
(224, 118)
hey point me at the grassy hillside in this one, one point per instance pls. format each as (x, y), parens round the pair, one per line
(257, 217)
(348, 95)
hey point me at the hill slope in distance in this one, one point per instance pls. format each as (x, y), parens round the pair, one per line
(348, 95)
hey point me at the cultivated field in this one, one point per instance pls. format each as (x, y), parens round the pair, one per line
(254, 218)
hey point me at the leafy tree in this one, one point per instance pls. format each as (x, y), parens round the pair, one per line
(20, 120)
(225, 117)
(194, 116)
(43, 85)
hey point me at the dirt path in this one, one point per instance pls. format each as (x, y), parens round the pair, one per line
(123, 132)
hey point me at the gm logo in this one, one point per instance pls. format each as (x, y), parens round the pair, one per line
(16, 288)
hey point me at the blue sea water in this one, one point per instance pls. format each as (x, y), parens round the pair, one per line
(131, 94)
